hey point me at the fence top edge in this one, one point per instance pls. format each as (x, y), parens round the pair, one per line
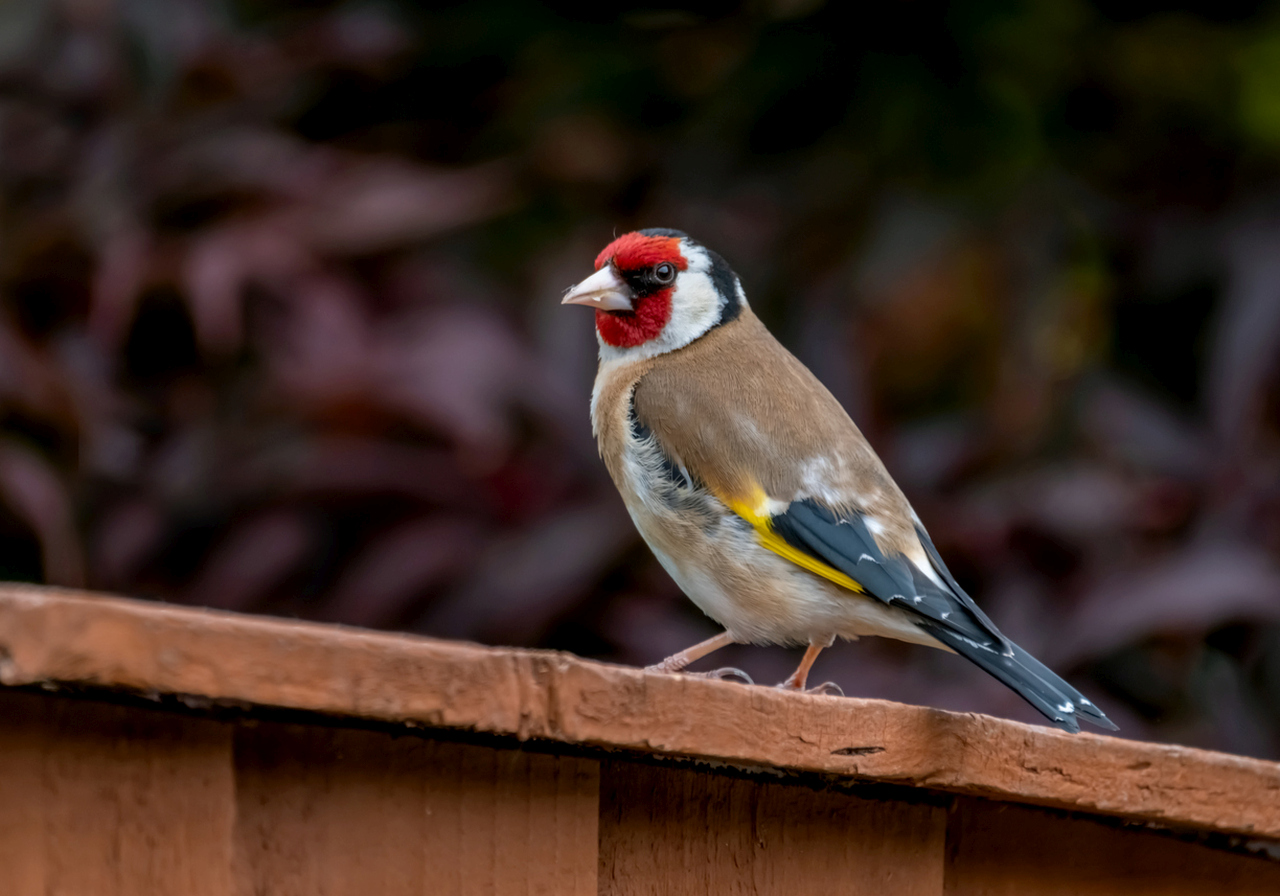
(75, 638)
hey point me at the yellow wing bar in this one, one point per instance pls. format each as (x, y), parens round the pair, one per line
(755, 510)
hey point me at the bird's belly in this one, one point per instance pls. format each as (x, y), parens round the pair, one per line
(758, 596)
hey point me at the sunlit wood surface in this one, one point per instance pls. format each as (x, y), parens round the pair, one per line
(148, 749)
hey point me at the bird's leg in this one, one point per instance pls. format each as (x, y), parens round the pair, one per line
(797, 680)
(678, 661)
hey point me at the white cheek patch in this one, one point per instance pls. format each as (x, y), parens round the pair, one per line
(695, 308)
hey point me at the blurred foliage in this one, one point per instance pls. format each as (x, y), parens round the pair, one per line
(279, 327)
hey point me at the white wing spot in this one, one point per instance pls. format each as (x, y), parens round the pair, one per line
(1067, 707)
(921, 561)
(816, 476)
(974, 643)
(867, 557)
(946, 614)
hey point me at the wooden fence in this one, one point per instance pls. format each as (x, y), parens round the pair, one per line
(147, 749)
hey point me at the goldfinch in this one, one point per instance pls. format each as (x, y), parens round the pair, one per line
(755, 490)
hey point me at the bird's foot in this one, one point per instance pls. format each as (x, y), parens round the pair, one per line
(827, 688)
(728, 673)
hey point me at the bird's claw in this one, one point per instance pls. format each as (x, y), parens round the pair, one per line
(827, 689)
(725, 674)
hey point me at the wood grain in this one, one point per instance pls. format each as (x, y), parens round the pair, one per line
(23, 801)
(112, 801)
(324, 812)
(681, 831)
(1002, 850)
(48, 635)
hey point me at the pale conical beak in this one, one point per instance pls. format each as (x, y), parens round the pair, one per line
(604, 290)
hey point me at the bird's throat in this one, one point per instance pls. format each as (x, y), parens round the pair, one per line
(631, 328)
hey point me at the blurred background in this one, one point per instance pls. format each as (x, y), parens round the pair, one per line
(280, 333)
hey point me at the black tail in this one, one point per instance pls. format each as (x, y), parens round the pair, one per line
(1034, 682)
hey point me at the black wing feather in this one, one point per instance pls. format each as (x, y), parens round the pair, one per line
(1043, 696)
(946, 613)
(845, 543)
(945, 574)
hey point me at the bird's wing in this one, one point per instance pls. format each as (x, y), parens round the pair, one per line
(838, 545)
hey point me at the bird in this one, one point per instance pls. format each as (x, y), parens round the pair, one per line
(756, 491)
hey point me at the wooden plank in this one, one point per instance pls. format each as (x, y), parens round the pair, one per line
(22, 798)
(1003, 850)
(58, 636)
(669, 830)
(138, 802)
(521, 822)
(113, 800)
(331, 811)
(319, 811)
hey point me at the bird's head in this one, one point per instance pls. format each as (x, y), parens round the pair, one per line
(657, 290)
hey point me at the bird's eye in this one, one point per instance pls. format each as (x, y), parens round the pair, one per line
(665, 272)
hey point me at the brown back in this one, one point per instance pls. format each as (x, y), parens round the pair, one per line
(737, 409)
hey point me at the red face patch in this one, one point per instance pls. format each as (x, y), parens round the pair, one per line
(635, 251)
(631, 253)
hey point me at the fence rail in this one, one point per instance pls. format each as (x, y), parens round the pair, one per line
(154, 749)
